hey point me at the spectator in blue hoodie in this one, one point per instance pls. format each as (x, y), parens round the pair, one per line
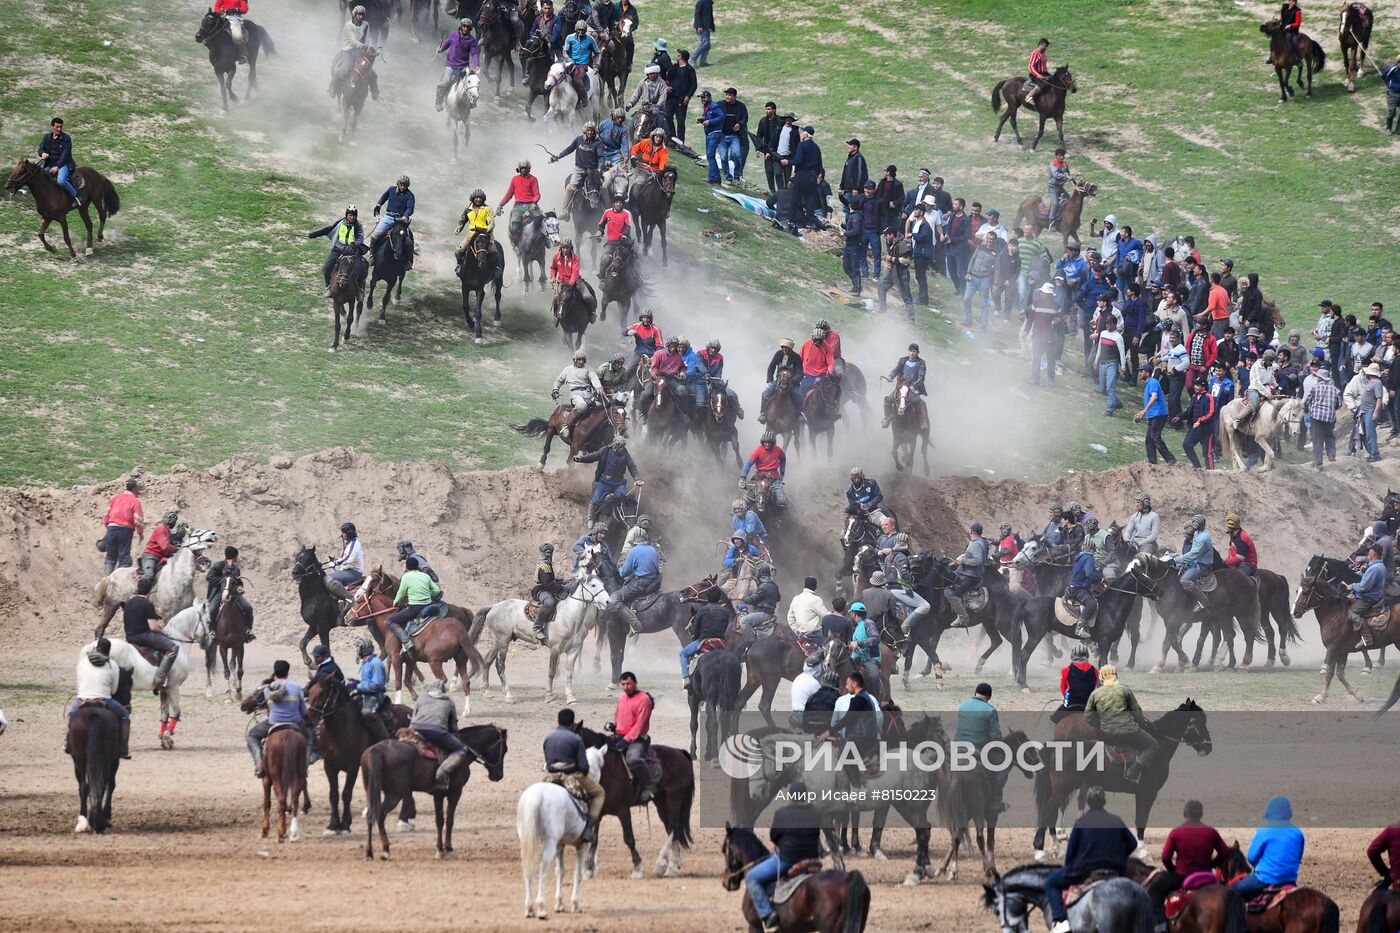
(1275, 851)
(1070, 272)
(1127, 260)
(1096, 285)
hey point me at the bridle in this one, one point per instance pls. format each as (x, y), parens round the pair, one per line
(331, 704)
(500, 738)
(362, 597)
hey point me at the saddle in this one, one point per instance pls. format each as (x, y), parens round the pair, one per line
(426, 618)
(532, 610)
(643, 603)
(280, 727)
(422, 746)
(570, 783)
(1269, 898)
(150, 655)
(1207, 584)
(1077, 891)
(1177, 900)
(1069, 612)
(794, 878)
(810, 644)
(977, 600)
(92, 704)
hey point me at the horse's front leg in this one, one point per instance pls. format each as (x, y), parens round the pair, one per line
(87, 222)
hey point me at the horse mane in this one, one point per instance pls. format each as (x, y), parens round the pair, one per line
(747, 839)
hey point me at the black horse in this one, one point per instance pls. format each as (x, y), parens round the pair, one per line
(1120, 609)
(715, 684)
(393, 258)
(214, 32)
(477, 270)
(320, 610)
(1050, 103)
(619, 283)
(673, 797)
(651, 205)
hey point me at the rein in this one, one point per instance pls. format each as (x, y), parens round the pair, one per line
(739, 873)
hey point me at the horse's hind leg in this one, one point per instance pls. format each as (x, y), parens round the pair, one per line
(1039, 133)
(996, 137)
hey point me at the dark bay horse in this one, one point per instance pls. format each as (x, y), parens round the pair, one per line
(351, 93)
(342, 739)
(53, 203)
(589, 433)
(229, 634)
(320, 610)
(1309, 57)
(395, 770)
(613, 66)
(829, 902)
(535, 60)
(475, 273)
(618, 284)
(1120, 610)
(94, 742)
(223, 51)
(1380, 912)
(651, 203)
(347, 296)
(393, 258)
(668, 418)
(966, 799)
(1354, 35)
(822, 406)
(670, 611)
(498, 41)
(909, 425)
(673, 797)
(715, 684)
(574, 308)
(770, 660)
(784, 418)
(719, 424)
(1306, 910)
(1235, 599)
(532, 245)
(1050, 104)
(1323, 589)
(1073, 209)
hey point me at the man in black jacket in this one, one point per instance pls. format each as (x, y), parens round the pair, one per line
(704, 24)
(796, 835)
(228, 569)
(1099, 841)
(769, 126)
(854, 174)
(711, 621)
(682, 89)
(889, 198)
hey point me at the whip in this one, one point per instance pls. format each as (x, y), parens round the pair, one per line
(1362, 50)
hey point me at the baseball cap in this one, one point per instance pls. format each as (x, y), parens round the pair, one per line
(853, 141)
(808, 129)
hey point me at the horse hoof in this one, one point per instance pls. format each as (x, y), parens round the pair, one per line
(404, 826)
(384, 856)
(167, 741)
(911, 880)
(88, 251)
(879, 855)
(1284, 659)
(478, 341)
(1040, 855)
(1365, 671)
(1356, 697)
(330, 832)
(1025, 689)
(1319, 699)
(612, 687)
(638, 874)
(82, 825)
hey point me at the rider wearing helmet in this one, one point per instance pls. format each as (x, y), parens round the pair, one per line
(349, 567)
(397, 204)
(1053, 537)
(404, 550)
(614, 376)
(970, 566)
(1143, 526)
(1078, 679)
(582, 52)
(899, 580)
(1243, 555)
(770, 461)
(524, 188)
(667, 362)
(478, 220)
(160, 547)
(1196, 562)
(865, 495)
(1083, 577)
(641, 531)
(347, 239)
(546, 591)
(564, 273)
(584, 388)
(744, 519)
(762, 604)
(651, 155)
(612, 135)
(709, 367)
(616, 229)
(587, 150)
(462, 53)
(610, 478)
(646, 336)
(595, 536)
(369, 686)
(354, 41)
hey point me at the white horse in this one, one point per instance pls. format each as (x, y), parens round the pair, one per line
(576, 616)
(460, 102)
(174, 586)
(1263, 429)
(563, 99)
(546, 820)
(188, 628)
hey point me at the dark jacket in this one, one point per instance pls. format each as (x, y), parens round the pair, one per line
(807, 157)
(1098, 841)
(1197, 294)
(796, 833)
(767, 135)
(765, 598)
(704, 15)
(854, 175)
(920, 372)
(922, 240)
(959, 233)
(789, 360)
(216, 575)
(613, 464)
(736, 114)
(683, 82)
(330, 231)
(1136, 317)
(889, 197)
(711, 621)
(663, 61)
(59, 151)
(564, 752)
(586, 152)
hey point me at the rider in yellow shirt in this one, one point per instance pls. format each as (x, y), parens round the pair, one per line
(477, 219)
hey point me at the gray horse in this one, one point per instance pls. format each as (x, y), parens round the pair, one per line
(1114, 906)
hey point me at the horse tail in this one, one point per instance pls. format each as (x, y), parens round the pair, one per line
(373, 766)
(1332, 915)
(1394, 696)
(478, 623)
(468, 646)
(111, 203)
(1018, 617)
(681, 805)
(531, 833)
(532, 428)
(96, 766)
(1044, 792)
(996, 97)
(99, 595)
(1287, 627)
(1232, 906)
(266, 41)
(857, 902)
(1320, 62)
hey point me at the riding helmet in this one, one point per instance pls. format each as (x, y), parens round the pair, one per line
(768, 438)
(739, 505)
(1056, 512)
(403, 180)
(1005, 529)
(618, 358)
(619, 441)
(818, 333)
(363, 647)
(352, 209)
(599, 528)
(404, 548)
(580, 355)
(590, 125)
(523, 164)
(901, 541)
(619, 112)
(1080, 652)
(1232, 521)
(1091, 524)
(348, 529)
(546, 549)
(658, 131)
(581, 24)
(643, 521)
(477, 193)
(170, 518)
(466, 22)
(857, 471)
(358, 11)
(1144, 499)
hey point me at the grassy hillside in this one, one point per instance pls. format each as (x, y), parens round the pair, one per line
(196, 332)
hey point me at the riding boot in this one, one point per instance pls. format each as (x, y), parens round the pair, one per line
(959, 610)
(126, 739)
(441, 95)
(444, 772)
(569, 418)
(374, 725)
(163, 672)
(248, 626)
(255, 749)
(889, 414)
(541, 629)
(738, 410)
(634, 623)
(569, 195)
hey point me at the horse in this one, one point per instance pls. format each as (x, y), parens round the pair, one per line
(347, 297)
(415, 8)
(94, 742)
(1354, 36)
(997, 618)
(575, 617)
(215, 33)
(342, 739)
(613, 64)
(53, 203)
(393, 258)
(444, 638)
(395, 770)
(229, 633)
(1050, 103)
(1380, 912)
(853, 388)
(1214, 908)
(785, 418)
(858, 538)
(586, 211)
(618, 284)
(715, 684)
(1323, 589)
(284, 772)
(1238, 429)
(967, 798)
(673, 797)
(823, 408)
(668, 418)
(651, 205)
(320, 610)
(669, 611)
(350, 93)
(1310, 57)
(547, 818)
(1120, 609)
(574, 308)
(377, 16)
(1054, 784)
(719, 424)
(536, 60)
(476, 271)
(769, 661)
(1067, 225)
(530, 247)
(186, 628)
(459, 103)
(827, 901)
(174, 585)
(593, 430)
(563, 98)
(1273, 601)
(497, 38)
(1235, 597)
(908, 424)
(1303, 909)
(1114, 906)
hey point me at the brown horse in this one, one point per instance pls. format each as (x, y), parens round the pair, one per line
(53, 203)
(1050, 104)
(668, 418)
(395, 770)
(535, 61)
(651, 203)
(342, 738)
(443, 639)
(591, 432)
(1309, 56)
(828, 902)
(719, 421)
(673, 797)
(574, 308)
(1302, 910)
(351, 92)
(822, 406)
(229, 635)
(613, 66)
(1323, 589)
(1215, 908)
(909, 425)
(1380, 912)
(1354, 35)
(94, 743)
(284, 772)
(967, 798)
(619, 284)
(346, 296)
(784, 417)
(1068, 223)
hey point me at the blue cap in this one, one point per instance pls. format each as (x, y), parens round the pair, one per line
(913, 346)
(858, 607)
(1318, 352)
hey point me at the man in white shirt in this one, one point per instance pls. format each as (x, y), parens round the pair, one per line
(806, 610)
(1176, 358)
(98, 678)
(804, 685)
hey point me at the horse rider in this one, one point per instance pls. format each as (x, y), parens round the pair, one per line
(417, 591)
(1377, 534)
(547, 25)
(1143, 526)
(1099, 841)
(978, 725)
(347, 239)
(652, 156)
(582, 52)
(762, 604)
(228, 569)
(1191, 848)
(817, 362)
(1070, 524)
(865, 646)
(1386, 845)
(1058, 175)
(463, 54)
(546, 591)
(1053, 537)
(857, 721)
(98, 679)
(806, 686)
(646, 336)
(796, 838)
(613, 376)
(435, 719)
(593, 537)
(370, 687)
(478, 220)
(142, 625)
(354, 42)
(739, 551)
(641, 531)
(349, 567)
(326, 672)
(912, 368)
(1105, 542)
(899, 580)
(234, 11)
(631, 728)
(404, 550)
(1113, 709)
(583, 386)
(1084, 576)
(641, 575)
(1008, 545)
(564, 273)
(651, 94)
(1275, 851)
(1263, 382)
(831, 341)
(613, 137)
(1290, 16)
(615, 229)
(397, 203)
(865, 495)
(745, 519)
(160, 547)
(123, 522)
(1037, 71)
(767, 461)
(877, 600)
(587, 152)
(1197, 560)
(286, 705)
(1078, 680)
(524, 188)
(969, 568)
(709, 366)
(711, 621)
(785, 357)
(56, 158)
(669, 363)
(566, 763)
(782, 383)
(1367, 593)
(610, 477)
(1243, 555)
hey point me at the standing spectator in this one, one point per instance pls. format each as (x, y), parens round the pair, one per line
(1227, 277)
(1045, 318)
(1376, 323)
(869, 207)
(1200, 426)
(1359, 351)
(1137, 327)
(806, 166)
(920, 233)
(1251, 306)
(993, 223)
(854, 174)
(1227, 349)
(1095, 286)
(1110, 358)
(123, 524)
(916, 194)
(943, 204)
(784, 148)
(1171, 270)
(853, 252)
(1392, 96)
(1217, 305)
(889, 196)
(712, 119)
(1108, 238)
(769, 126)
(1336, 345)
(1175, 359)
(1372, 401)
(1390, 369)
(981, 268)
(1197, 290)
(734, 144)
(681, 90)
(957, 241)
(1007, 287)
(1127, 264)
(1070, 273)
(1323, 330)
(898, 250)
(1154, 411)
(1200, 354)
(704, 23)
(1152, 260)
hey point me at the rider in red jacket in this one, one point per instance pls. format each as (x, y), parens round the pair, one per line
(1242, 553)
(235, 10)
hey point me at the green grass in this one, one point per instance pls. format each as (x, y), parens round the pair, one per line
(195, 333)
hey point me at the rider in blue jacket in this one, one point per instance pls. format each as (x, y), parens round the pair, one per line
(370, 687)
(1197, 560)
(1275, 851)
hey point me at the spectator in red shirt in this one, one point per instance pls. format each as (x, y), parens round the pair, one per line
(1218, 306)
(160, 547)
(1200, 353)
(630, 725)
(1387, 842)
(122, 524)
